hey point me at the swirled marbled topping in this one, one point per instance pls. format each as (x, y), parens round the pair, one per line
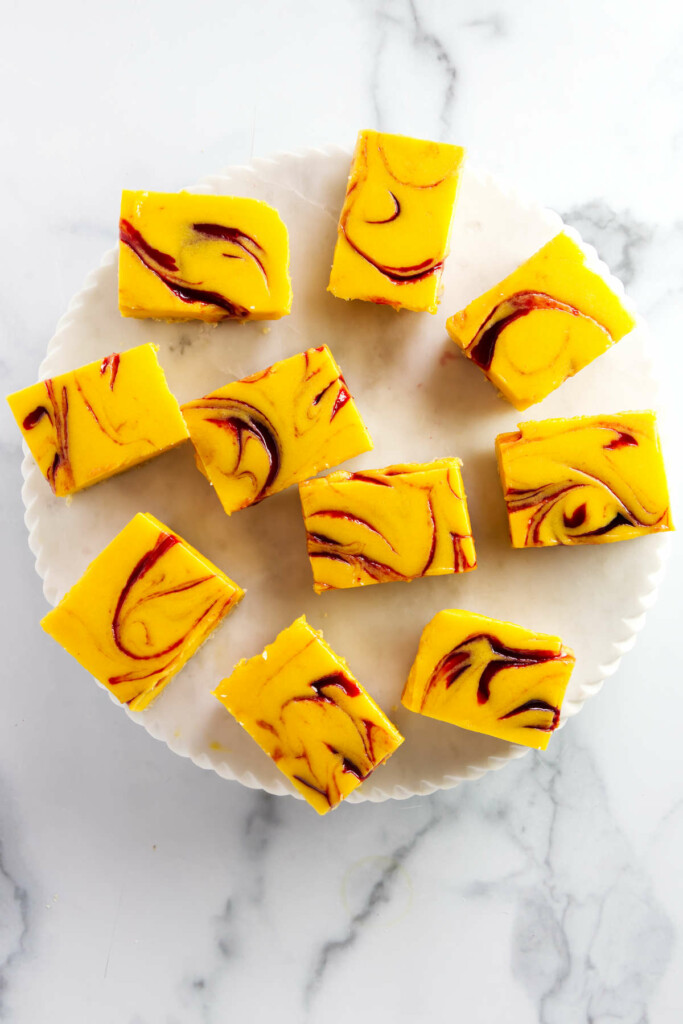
(259, 435)
(302, 705)
(395, 223)
(489, 676)
(88, 424)
(542, 324)
(141, 610)
(589, 480)
(204, 257)
(385, 525)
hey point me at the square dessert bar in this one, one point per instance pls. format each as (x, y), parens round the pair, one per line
(141, 610)
(395, 224)
(259, 435)
(184, 256)
(381, 525)
(88, 424)
(542, 324)
(490, 676)
(588, 480)
(304, 708)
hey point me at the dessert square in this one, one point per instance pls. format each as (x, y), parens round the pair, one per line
(88, 424)
(141, 610)
(384, 525)
(395, 225)
(184, 256)
(305, 709)
(257, 436)
(542, 324)
(490, 676)
(587, 480)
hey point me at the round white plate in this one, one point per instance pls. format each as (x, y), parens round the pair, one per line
(420, 399)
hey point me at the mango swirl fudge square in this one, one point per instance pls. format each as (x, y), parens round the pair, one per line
(395, 225)
(490, 676)
(542, 324)
(189, 256)
(586, 480)
(101, 419)
(384, 525)
(257, 436)
(141, 610)
(300, 702)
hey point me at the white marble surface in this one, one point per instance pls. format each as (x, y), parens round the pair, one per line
(136, 889)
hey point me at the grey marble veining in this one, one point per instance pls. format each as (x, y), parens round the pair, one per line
(14, 903)
(395, 26)
(380, 893)
(537, 841)
(137, 889)
(619, 238)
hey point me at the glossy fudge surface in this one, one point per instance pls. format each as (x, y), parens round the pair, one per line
(141, 610)
(395, 224)
(259, 435)
(88, 424)
(389, 524)
(302, 705)
(489, 676)
(202, 257)
(542, 324)
(589, 480)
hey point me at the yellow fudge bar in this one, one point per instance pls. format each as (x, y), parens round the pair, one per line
(141, 610)
(589, 480)
(88, 424)
(542, 324)
(259, 435)
(490, 676)
(381, 525)
(395, 224)
(302, 705)
(202, 257)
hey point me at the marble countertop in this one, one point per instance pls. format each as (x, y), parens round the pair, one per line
(137, 889)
